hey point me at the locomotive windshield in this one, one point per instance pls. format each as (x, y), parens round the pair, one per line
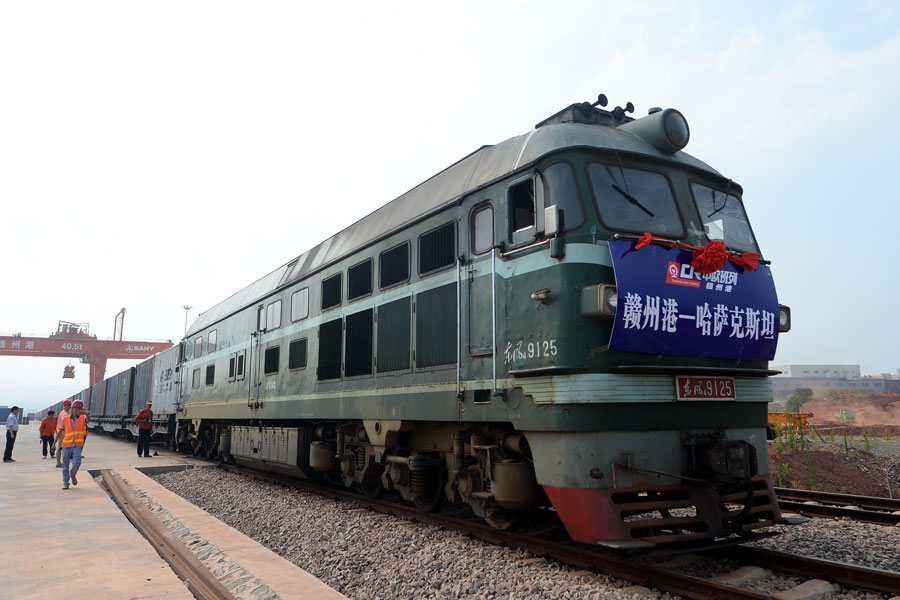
(634, 200)
(724, 218)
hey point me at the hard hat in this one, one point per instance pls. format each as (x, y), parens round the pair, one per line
(78, 404)
(67, 403)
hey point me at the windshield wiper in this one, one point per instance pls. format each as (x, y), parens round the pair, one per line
(632, 199)
(724, 202)
(625, 193)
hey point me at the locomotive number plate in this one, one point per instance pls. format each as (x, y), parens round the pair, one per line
(705, 388)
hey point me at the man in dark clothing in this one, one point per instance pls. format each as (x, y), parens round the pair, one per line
(12, 430)
(144, 419)
(48, 430)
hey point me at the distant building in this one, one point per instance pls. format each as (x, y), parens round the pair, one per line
(823, 377)
(820, 371)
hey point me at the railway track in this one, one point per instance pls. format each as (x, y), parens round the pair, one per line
(866, 509)
(634, 570)
(198, 579)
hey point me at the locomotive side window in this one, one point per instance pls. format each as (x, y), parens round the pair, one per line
(634, 200)
(271, 360)
(330, 350)
(331, 291)
(359, 280)
(521, 206)
(358, 348)
(393, 266)
(483, 229)
(195, 379)
(724, 217)
(297, 354)
(210, 374)
(562, 191)
(437, 249)
(211, 341)
(393, 336)
(261, 318)
(198, 347)
(239, 370)
(232, 362)
(300, 304)
(273, 315)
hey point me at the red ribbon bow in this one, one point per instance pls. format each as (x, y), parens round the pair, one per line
(708, 259)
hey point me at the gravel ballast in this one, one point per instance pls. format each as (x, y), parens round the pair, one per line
(368, 555)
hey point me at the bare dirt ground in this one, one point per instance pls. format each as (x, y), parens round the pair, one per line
(833, 470)
(851, 447)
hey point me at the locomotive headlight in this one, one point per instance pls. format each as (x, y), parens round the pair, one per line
(599, 300)
(784, 318)
(676, 128)
(611, 298)
(667, 130)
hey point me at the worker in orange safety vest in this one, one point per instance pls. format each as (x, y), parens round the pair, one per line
(73, 433)
(67, 406)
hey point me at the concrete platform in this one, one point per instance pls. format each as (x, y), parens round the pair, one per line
(56, 543)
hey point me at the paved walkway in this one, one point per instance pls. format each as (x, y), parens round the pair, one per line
(58, 543)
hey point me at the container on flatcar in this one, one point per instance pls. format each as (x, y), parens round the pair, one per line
(143, 384)
(98, 398)
(112, 396)
(164, 388)
(85, 397)
(125, 385)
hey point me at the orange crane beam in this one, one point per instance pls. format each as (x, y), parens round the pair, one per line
(87, 348)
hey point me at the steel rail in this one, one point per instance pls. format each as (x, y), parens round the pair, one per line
(199, 580)
(869, 502)
(853, 575)
(837, 512)
(568, 553)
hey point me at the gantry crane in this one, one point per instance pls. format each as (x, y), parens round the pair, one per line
(74, 340)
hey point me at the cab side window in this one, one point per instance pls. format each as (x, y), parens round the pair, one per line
(483, 229)
(561, 190)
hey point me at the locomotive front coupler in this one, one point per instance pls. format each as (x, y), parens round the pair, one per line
(716, 459)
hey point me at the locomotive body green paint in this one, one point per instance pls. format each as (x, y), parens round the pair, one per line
(490, 355)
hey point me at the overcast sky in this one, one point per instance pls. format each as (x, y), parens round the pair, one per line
(157, 154)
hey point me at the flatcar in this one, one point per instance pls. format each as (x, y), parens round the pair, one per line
(578, 318)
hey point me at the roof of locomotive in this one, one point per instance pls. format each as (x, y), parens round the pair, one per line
(485, 165)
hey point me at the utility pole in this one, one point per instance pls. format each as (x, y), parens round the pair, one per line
(187, 308)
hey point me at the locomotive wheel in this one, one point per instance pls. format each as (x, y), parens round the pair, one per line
(434, 500)
(372, 489)
(500, 518)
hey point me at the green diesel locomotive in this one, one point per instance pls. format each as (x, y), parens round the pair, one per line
(576, 317)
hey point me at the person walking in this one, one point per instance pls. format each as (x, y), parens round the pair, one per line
(73, 433)
(67, 406)
(12, 430)
(144, 419)
(48, 430)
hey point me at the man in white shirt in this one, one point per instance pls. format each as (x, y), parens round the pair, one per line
(12, 430)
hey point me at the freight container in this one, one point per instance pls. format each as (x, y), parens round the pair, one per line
(112, 396)
(125, 383)
(143, 384)
(98, 395)
(164, 389)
